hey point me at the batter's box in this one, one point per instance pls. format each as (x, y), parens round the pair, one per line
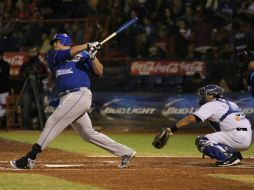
(63, 165)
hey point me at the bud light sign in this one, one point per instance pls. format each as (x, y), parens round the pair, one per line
(153, 110)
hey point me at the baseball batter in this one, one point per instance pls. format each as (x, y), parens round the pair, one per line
(233, 130)
(71, 67)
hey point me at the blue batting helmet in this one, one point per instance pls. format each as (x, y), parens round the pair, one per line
(64, 39)
(210, 89)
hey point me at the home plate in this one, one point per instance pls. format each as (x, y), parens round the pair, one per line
(62, 165)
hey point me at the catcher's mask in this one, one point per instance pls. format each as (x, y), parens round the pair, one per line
(64, 39)
(210, 89)
(244, 58)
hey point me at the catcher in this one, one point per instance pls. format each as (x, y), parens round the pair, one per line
(232, 129)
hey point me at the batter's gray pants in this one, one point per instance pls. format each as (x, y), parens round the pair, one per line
(72, 110)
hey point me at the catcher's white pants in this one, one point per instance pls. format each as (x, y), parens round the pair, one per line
(73, 110)
(239, 140)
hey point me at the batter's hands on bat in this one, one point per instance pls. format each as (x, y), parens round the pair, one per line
(93, 48)
(92, 54)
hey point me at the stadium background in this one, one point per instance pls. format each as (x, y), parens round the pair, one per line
(176, 47)
(152, 72)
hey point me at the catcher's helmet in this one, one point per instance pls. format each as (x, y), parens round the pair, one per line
(210, 89)
(64, 39)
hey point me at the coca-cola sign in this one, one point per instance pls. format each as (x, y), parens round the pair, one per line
(15, 59)
(167, 68)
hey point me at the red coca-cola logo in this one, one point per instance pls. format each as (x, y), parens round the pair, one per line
(167, 67)
(15, 59)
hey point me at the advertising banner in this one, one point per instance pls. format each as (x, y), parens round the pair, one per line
(167, 68)
(16, 59)
(152, 110)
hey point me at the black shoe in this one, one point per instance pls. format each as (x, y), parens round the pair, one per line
(126, 159)
(22, 163)
(239, 155)
(235, 159)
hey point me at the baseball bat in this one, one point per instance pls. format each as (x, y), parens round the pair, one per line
(121, 28)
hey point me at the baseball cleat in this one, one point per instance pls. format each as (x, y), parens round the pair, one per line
(22, 163)
(228, 163)
(13, 164)
(235, 159)
(239, 155)
(126, 159)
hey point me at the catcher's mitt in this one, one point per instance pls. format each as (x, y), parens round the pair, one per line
(161, 139)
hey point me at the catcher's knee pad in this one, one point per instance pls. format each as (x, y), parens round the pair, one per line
(200, 142)
(214, 150)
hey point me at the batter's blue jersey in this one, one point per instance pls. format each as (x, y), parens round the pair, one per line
(251, 82)
(70, 72)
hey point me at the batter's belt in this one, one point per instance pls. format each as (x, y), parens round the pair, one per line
(61, 94)
(241, 129)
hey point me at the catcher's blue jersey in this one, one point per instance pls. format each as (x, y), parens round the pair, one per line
(250, 81)
(70, 72)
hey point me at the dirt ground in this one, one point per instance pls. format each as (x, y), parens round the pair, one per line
(143, 173)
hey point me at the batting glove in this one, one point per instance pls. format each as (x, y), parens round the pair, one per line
(92, 46)
(92, 54)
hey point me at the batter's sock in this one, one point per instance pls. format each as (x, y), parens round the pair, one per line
(36, 149)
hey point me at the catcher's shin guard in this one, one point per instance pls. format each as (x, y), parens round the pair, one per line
(218, 151)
